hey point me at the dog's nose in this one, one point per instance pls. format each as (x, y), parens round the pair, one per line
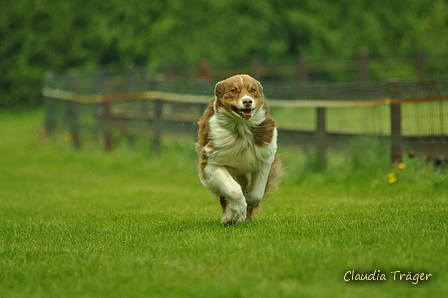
(247, 102)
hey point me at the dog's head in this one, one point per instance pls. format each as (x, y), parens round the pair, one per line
(241, 96)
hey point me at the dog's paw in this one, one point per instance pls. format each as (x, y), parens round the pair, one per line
(234, 214)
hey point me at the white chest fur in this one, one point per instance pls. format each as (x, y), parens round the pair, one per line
(233, 146)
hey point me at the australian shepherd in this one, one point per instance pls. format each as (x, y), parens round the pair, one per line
(237, 148)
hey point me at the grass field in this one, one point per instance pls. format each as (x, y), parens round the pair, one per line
(86, 224)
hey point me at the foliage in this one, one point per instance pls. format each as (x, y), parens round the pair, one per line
(53, 35)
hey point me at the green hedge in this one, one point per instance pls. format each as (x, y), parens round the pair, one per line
(36, 36)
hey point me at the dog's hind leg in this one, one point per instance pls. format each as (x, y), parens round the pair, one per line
(251, 212)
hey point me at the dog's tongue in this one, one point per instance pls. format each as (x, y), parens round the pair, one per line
(246, 113)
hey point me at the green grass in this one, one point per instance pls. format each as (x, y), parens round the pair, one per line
(86, 224)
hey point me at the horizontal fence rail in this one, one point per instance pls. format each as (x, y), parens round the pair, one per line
(411, 115)
(200, 99)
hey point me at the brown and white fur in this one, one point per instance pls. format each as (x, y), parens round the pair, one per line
(237, 148)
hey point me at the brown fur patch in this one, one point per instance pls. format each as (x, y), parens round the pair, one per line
(203, 136)
(264, 132)
(223, 202)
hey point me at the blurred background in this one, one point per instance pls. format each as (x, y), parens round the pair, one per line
(331, 68)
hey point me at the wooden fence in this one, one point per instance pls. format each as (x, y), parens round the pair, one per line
(132, 104)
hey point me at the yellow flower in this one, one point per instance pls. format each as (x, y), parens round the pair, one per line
(402, 166)
(391, 178)
(376, 181)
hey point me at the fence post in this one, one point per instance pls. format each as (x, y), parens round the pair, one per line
(144, 102)
(107, 129)
(255, 68)
(395, 121)
(50, 105)
(104, 114)
(130, 87)
(303, 69)
(321, 136)
(364, 61)
(73, 110)
(157, 126)
(205, 75)
(421, 65)
(205, 70)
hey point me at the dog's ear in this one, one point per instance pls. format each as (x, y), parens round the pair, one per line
(259, 87)
(260, 91)
(219, 89)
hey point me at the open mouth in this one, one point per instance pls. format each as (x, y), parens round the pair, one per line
(245, 113)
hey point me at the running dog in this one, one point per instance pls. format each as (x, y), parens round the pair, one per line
(237, 144)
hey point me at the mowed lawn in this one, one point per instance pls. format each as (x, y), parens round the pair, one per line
(88, 224)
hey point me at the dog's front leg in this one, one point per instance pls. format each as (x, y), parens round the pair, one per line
(256, 188)
(218, 180)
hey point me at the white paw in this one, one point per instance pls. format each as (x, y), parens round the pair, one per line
(234, 214)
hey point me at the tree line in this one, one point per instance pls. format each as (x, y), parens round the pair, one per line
(41, 35)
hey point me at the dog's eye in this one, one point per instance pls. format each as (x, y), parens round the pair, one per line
(234, 90)
(253, 90)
